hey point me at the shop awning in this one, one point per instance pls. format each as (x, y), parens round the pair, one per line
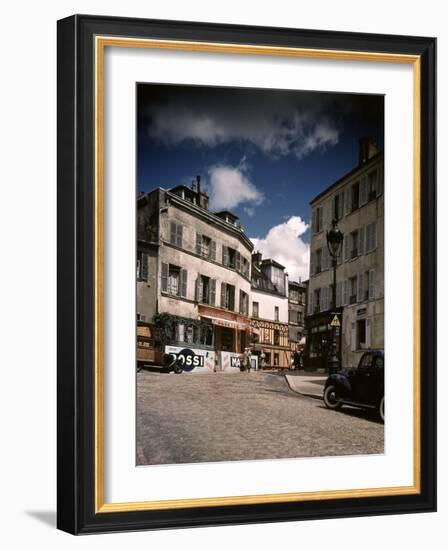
(227, 323)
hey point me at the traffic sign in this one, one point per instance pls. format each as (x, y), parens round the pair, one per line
(335, 322)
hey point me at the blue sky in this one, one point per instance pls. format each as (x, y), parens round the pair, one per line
(263, 154)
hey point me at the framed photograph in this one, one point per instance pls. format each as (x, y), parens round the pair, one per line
(246, 229)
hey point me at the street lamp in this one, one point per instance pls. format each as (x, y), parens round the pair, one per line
(334, 243)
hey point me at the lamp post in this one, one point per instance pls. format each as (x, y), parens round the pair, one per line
(334, 243)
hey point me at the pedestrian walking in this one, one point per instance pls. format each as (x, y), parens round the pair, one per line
(263, 359)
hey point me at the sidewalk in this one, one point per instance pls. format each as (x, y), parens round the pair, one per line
(310, 384)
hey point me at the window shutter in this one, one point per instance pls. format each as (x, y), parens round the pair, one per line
(339, 294)
(310, 303)
(312, 260)
(361, 241)
(183, 282)
(353, 338)
(223, 294)
(363, 191)
(313, 221)
(198, 243)
(196, 289)
(347, 200)
(144, 266)
(341, 206)
(179, 235)
(368, 237)
(368, 333)
(346, 248)
(173, 233)
(164, 277)
(212, 292)
(320, 212)
(213, 250)
(371, 284)
(373, 236)
(237, 261)
(225, 255)
(345, 295)
(360, 291)
(323, 298)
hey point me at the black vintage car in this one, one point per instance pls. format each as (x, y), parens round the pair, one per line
(361, 387)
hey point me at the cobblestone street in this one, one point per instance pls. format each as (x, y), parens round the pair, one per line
(209, 418)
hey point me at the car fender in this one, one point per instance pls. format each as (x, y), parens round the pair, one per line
(341, 383)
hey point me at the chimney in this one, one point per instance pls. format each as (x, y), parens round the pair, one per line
(202, 195)
(367, 149)
(256, 258)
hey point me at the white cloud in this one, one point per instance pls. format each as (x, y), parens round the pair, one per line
(278, 129)
(229, 187)
(284, 244)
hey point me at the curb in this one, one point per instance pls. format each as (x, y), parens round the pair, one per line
(312, 395)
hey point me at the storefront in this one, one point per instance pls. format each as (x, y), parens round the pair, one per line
(319, 335)
(230, 333)
(271, 339)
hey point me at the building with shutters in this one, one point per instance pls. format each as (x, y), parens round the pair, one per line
(193, 273)
(269, 321)
(357, 201)
(297, 293)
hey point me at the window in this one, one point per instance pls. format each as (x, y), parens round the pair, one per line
(370, 231)
(205, 247)
(361, 334)
(316, 301)
(355, 196)
(229, 257)
(276, 313)
(352, 284)
(205, 290)
(276, 337)
(254, 309)
(278, 279)
(276, 360)
(318, 219)
(300, 317)
(174, 280)
(245, 266)
(367, 360)
(228, 296)
(372, 185)
(338, 206)
(142, 266)
(141, 317)
(318, 260)
(176, 234)
(294, 296)
(244, 303)
(353, 244)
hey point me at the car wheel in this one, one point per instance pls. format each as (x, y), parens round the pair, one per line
(178, 368)
(331, 399)
(381, 409)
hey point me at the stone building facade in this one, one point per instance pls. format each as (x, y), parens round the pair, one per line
(193, 274)
(297, 293)
(357, 201)
(269, 321)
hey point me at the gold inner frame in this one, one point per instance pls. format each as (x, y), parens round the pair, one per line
(101, 42)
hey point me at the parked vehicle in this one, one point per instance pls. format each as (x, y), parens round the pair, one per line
(361, 387)
(149, 346)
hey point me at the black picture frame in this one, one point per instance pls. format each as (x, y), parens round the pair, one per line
(76, 275)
